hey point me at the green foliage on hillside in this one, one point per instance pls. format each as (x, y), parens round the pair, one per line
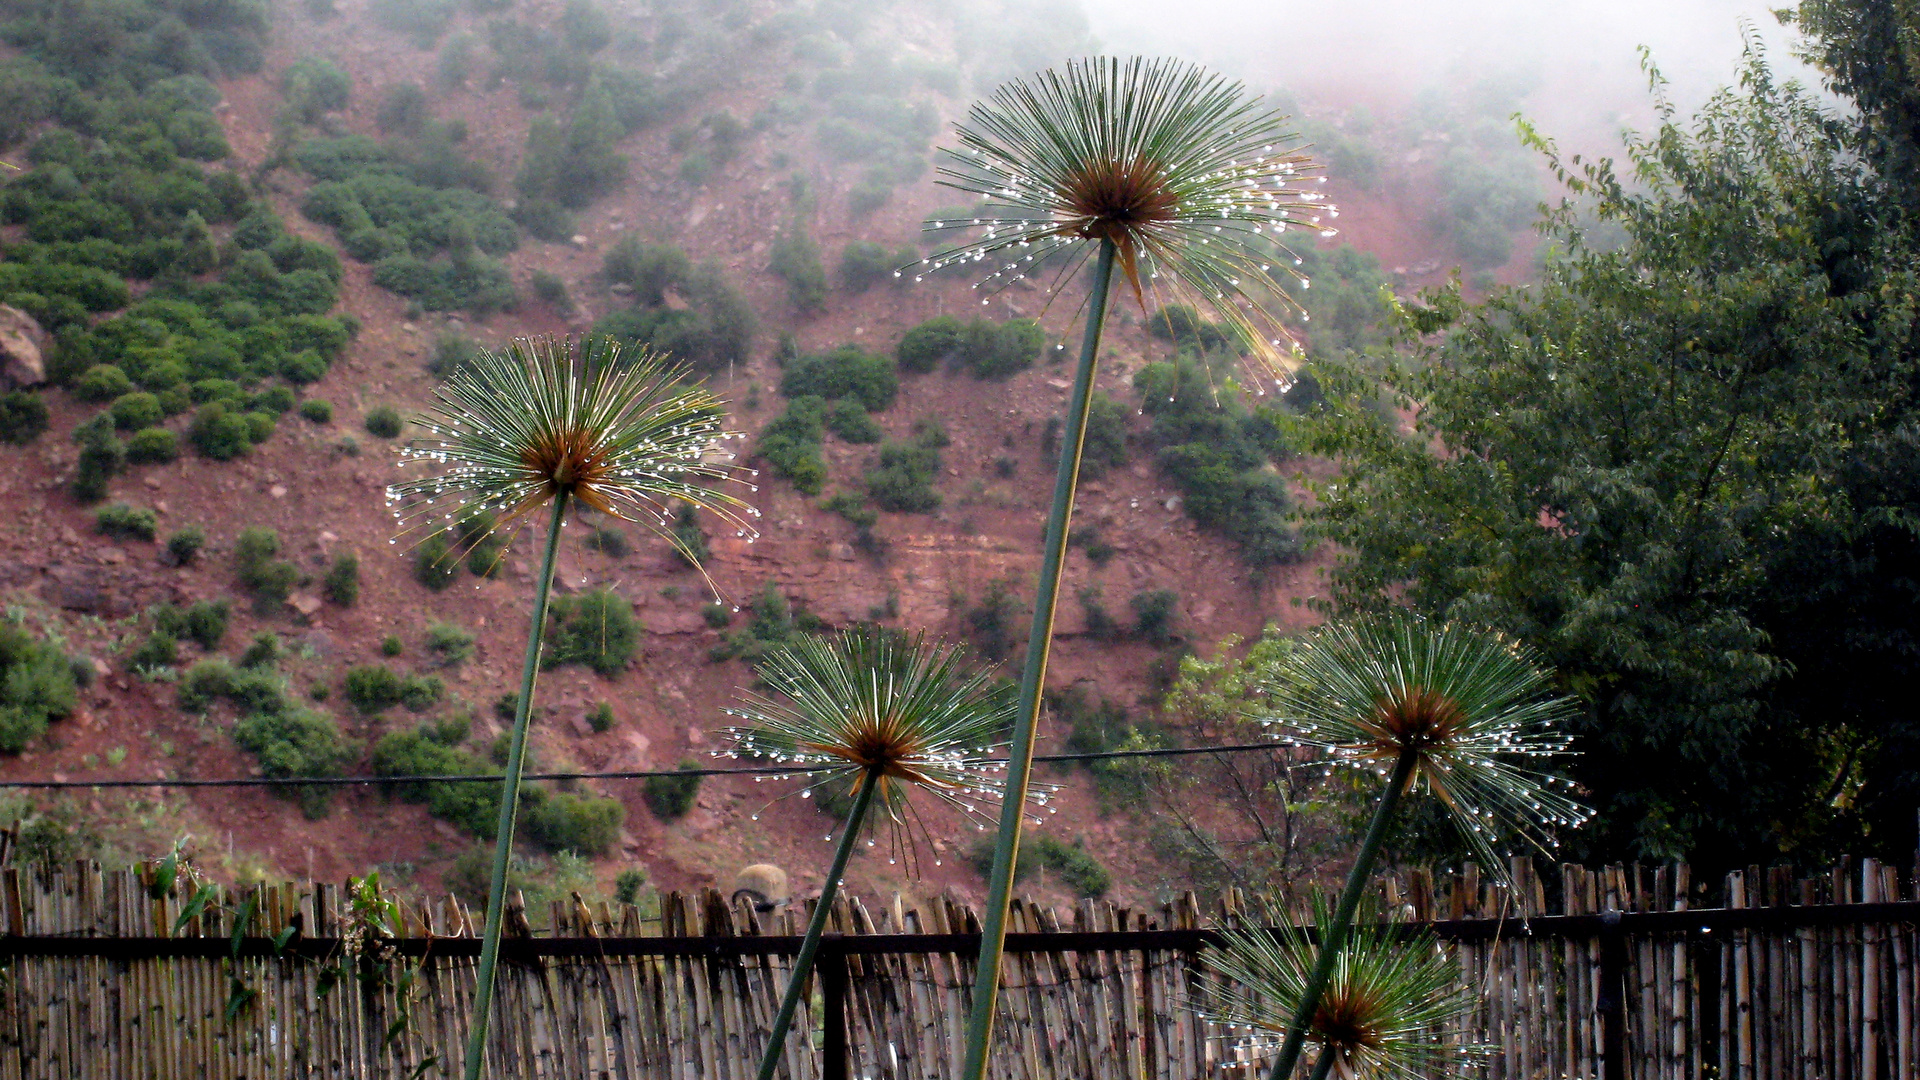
(902, 478)
(1219, 453)
(595, 628)
(712, 327)
(845, 372)
(987, 349)
(36, 687)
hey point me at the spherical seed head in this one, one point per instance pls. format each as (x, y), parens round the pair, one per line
(1189, 177)
(874, 700)
(617, 430)
(1474, 708)
(1390, 995)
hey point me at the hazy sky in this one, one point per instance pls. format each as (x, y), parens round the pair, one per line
(1579, 55)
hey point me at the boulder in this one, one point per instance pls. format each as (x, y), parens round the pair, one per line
(21, 340)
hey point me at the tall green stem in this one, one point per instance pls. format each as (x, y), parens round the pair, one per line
(510, 801)
(810, 945)
(993, 928)
(1334, 935)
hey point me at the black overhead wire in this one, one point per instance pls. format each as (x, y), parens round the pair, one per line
(633, 774)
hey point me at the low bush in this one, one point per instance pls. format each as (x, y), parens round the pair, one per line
(1154, 615)
(185, 544)
(157, 650)
(902, 479)
(1188, 329)
(342, 583)
(449, 643)
(36, 687)
(796, 261)
(383, 422)
(152, 446)
(23, 417)
(434, 750)
(594, 628)
(600, 718)
(790, 444)
(268, 579)
(220, 433)
(297, 742)
(102, 456)
(204, 623)
(850, 420)
(136, 410)
(550, 290)
(864, 264)
(689, 536)
(374, 688)
(992, 624)
(262, 653)
(583, 824)
(924, 347)
(126, 522)
(845, 372)
(317, 410)
(436, 563)
(670, 797)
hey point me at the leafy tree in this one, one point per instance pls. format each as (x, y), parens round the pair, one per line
(1677, 468)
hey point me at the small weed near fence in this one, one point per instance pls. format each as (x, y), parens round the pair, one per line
(142, 973)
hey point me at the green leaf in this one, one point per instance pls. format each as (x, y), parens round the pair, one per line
(195, 905)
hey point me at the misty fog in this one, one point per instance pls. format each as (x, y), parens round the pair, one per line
(1576, 60)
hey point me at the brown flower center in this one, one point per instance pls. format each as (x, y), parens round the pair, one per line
(1346, 1020)
(1114, 200)
(1417, 716)
(572, 462)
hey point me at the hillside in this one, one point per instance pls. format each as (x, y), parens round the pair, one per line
(678, 155)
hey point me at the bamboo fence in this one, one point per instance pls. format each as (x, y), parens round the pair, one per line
(1632, 972)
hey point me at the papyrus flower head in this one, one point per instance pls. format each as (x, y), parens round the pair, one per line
(1385, 1010)
(875, 702)
(1474, 708)
(614, 430)
(1192, 179)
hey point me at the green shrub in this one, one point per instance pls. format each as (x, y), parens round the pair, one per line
(691, 538)
(374, 688)
(1078, 871)
(925, 346)
(594, 628)
(152, 446)
(124, 522)
(1187, 328)
(717, 615)
(36, 687)
(449, 642)
(609, 541)
(600, 719)
(584, 824)
(262, 653)
(391, 645)
(421, 692)
(628, 884)
(435, 562)
(204, 623)
(433, 750)
(270, 580)
(185, 544)
(204, 683)
(790, 444)
(220, 433)
(993, 351)
(864, 264)
(135, 410)
(452, 353)
(1154, 614)
(102, 456)
(342, 583)
(317, 410)
(102, 382)
(846, 372)
(297, 742)
(156, 651)
(1089, 539)
(796, 260)
(383, 422)
(552, 291)
(992, 624)
(670, 797)
(23, 417)
(850, 420)
(903, 477)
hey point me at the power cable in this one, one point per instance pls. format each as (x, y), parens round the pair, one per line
(633, 774)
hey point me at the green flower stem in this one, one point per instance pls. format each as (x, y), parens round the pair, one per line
(1334, 935)
(993, 927)
(510, 802)
(810, 945)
